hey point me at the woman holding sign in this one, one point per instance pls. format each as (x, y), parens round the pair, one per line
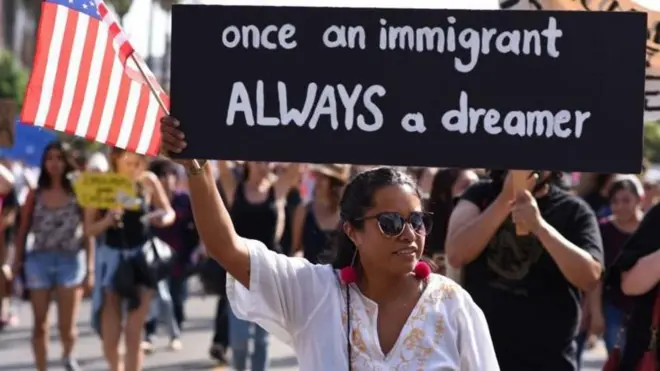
(377, 306)
(125, 233)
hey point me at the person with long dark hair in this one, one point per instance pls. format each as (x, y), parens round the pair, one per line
(315, 223)
(529, 286)
(607, 308)
(125, 232)
(374, 305)
(54, 254)
(635, 273)
(448, 184)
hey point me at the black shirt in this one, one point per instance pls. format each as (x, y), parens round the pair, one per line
(532, 311)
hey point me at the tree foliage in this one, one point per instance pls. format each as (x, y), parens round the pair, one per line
(167, 4)
(13, 78)
(121, 7)
(652, 141)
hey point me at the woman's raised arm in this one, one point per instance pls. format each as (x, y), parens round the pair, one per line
(211, 216)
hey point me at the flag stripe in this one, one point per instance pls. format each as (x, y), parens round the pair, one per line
(145, 144)
(128, 120)
(86, 59)
(102, 92)
(73, 72)
(62, 67)
(93, 84)
(110, 101)
(119, 111)
(33, 91)
(51, 68)
(140, 119)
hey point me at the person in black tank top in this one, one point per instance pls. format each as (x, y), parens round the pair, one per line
(256, 205)
(125, 232)
(314, 223)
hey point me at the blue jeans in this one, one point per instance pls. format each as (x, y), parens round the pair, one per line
(614, 318)
(162, 308)
(239, 335)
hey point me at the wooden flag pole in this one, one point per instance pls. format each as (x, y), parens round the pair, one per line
(153, 90)
(520, 179)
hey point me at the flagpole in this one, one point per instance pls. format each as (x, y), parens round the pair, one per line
(157, 96)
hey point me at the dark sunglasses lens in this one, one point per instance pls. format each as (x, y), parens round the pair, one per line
(421, 223)
(391, 223)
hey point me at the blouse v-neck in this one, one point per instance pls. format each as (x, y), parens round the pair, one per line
(304, 305)
(371, 307)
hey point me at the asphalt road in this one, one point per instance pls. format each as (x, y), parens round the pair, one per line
(16, 354)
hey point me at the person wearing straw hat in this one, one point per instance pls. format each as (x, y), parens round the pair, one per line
(315, 222)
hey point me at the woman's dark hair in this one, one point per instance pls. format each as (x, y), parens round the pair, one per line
(355, 201)
(441, 204)
(556, 178)
(162, 168)
(45, 181)
(623, 185)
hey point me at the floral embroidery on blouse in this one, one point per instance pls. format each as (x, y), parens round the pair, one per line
(423, 331)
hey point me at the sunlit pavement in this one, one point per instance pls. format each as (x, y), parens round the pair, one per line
(16, 354)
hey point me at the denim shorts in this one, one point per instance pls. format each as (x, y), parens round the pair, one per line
(107, 262)
(50, 269)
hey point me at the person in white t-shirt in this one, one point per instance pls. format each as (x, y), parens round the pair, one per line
(376, 294)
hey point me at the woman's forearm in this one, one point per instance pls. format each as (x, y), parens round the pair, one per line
(643, 276)
(215, 227)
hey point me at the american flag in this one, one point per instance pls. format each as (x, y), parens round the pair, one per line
(85, 81)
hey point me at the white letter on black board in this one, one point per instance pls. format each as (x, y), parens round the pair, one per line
(338, 39)
(413, 123)
(539, 122)
(285, 34)
(491, 119)
(264, 37)
(508, 42)
(552, 33)
(326, 105)
(580, 118)
(562, 117)
(373, 108)
(231, 42)
(261, 119)
(457, 120)
(514, 123)
(239, 102)
(349, 103)
(291, 114)
(468, 39)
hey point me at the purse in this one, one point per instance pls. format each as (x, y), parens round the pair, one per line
(155, 261)
(649, 361)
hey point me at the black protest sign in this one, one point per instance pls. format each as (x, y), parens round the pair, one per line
(417, 87)
(652, 94)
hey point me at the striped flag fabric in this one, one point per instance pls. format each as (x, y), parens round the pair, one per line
(85, 79)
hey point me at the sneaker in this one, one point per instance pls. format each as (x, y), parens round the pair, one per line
(175, 344)
(217, 353)
(147, 347)
(71, 364)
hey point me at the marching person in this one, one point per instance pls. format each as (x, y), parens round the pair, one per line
(54, 254)
(377, 306)
(636, 274)
(125, 234)
(447, 186)
(256, 204)
(529, 286)
(315, 223)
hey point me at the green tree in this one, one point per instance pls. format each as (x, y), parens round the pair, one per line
(166, 5)
(13, 78)
(121, 8)
(652, 141)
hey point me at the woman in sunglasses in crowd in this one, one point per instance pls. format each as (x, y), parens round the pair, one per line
(376, 307)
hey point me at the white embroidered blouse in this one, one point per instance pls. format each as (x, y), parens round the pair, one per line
(304, 305)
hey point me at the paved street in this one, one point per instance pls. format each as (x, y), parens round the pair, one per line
(15, 352)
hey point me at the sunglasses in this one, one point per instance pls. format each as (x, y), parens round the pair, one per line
(392, 224)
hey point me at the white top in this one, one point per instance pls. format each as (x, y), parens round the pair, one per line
(304, 305)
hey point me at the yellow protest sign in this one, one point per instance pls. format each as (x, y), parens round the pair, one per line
(105, 191)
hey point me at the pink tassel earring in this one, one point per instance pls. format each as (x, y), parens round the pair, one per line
(348, 274)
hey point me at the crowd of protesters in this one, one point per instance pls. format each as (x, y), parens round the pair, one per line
(50, 245)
